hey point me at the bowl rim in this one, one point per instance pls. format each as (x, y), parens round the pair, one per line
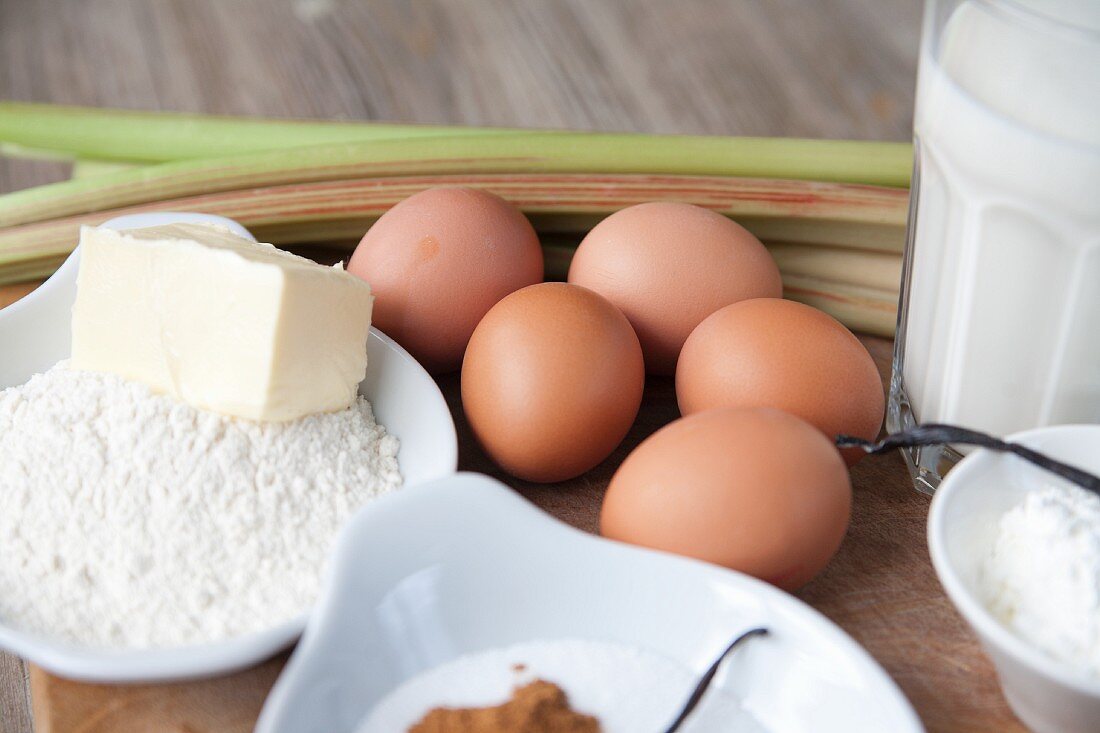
(989, 629)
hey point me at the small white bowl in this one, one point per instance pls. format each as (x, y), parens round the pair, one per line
(962, 529)
(461, 565)
(35, 335)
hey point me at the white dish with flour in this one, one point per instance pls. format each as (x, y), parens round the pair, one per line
(980, 531)
(430, 575)
(34, 335)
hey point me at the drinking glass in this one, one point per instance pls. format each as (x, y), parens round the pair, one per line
(999, 317)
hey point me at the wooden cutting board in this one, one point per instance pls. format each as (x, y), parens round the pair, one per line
(880, 588)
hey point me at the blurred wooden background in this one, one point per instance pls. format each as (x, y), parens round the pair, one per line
(813, 68)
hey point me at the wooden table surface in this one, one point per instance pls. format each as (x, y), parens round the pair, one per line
(828, 68)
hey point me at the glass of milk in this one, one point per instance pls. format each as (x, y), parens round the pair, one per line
(999, 319)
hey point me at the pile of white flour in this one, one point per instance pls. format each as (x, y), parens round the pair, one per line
(129, 519)
(1043, 577)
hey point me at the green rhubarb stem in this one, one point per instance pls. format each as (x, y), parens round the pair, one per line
(592, 153)
(860, 308)
(843, 215)
(874, 270)
(16, 150)
(156, 137)
(139, 136)
(93, 168)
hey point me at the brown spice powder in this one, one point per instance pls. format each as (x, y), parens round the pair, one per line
(537, 707)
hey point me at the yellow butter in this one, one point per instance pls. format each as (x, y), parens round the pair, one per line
(220, 322)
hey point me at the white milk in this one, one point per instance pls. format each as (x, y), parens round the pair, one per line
(1003, 325)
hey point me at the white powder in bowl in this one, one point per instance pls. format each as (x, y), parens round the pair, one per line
(628, 689)
(1043, 578)
(130, 520)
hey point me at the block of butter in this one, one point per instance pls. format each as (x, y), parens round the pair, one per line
(220, 322)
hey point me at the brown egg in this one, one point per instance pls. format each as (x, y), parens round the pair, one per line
(552, 381)
(757, 490)
(778, 353)
(667, 266)
(438, 261)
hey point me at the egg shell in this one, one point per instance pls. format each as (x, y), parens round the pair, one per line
(755, 490)
(779, 353)
(551, 381)
(667, 266)
(438, 261)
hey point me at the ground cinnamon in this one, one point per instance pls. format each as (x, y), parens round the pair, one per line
(537, 707)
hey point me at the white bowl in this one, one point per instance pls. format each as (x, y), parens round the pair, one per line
(962, 528)
(464, 564)
(34, 335)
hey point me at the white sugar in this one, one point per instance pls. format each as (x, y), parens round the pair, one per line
(630, 690)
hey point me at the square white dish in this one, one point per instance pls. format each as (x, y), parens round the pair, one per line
(463, 564)
(35, 334)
